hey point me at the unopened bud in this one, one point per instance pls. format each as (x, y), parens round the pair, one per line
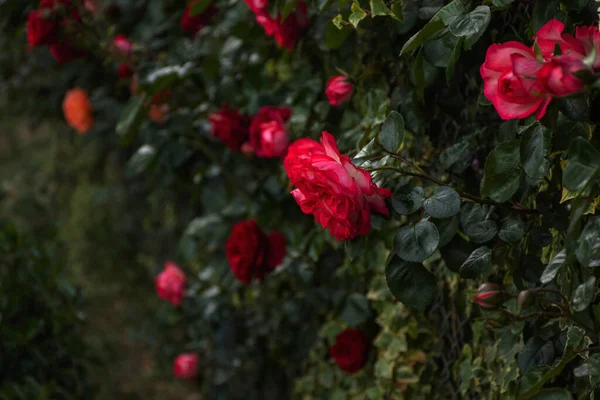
(489, 296)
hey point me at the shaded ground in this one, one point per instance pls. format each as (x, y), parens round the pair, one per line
(119, 311)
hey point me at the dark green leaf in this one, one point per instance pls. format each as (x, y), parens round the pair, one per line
(335, 37)
(392, 132)
(419, 71)
(447, 228)
(454, 56)
(410, 283)
(443, 203)
(199, 7)
(479, 263)
(553, 394)
(438, 22)
(534, 148)
(418, 242)
(481, 232)
(543, 11)
(502, 173)
(553, 266)
(536, 352)
(582, 166)
(584, 294)
(590, 367)
(471, 25)
(131, 117)
(140, 160)
(588, 248)
(397, 10)
(512, 231)
(356, 310)
(408, 199)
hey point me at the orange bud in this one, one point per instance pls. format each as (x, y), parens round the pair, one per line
(78, 110)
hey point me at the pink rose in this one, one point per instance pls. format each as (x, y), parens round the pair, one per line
(340, 195)
(170, 283)
(557, 78)
(123, 45)
(339, 90)
(587, 38)
(509, 79)
(268, 135)
(185, 365)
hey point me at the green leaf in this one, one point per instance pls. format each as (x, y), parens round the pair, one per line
(536, 352)
(356, 310)
(482, 231)
(443, 203)
(410, 283)
(199, 7)
(397, 10)
(338, 21)
(553, 394)
(438, 22)
(447, 228)
(502, 173)
(590, 367)
(358, 14)
(408, 199)
(418, 242)
(288, 7)
(471, 25)
(582, 166)
(553, 266)
(543, 11)
(335, 36)
(130, 119)
(588, 247)
(392, 132)
(378, 7)
(512, 231)
(478, 264)
(165, 77)
(454, 56)
(584, 294)
(534, 147)
(140, 160)
(419, 71)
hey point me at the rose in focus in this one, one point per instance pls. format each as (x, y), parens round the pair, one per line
(340, 195)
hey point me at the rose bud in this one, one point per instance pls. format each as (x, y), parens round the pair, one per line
(170, 283)
(339, 90)
(489, 296)
(185, 365)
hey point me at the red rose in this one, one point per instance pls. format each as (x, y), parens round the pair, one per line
(63, 52)
(40, 30)
(124, 71)
(253, 254)
(170, 283)
(192, 24)
(350, 350)
(339, 90)
(185, 365)
(509, 81)
(230, 127)
(291, 29)
(557, 78)
(586, 40)
(268, 135)
(340, 195)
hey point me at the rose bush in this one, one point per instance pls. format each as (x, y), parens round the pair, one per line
(441, 147)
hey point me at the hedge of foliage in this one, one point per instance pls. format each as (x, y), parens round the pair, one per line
(445, 149)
